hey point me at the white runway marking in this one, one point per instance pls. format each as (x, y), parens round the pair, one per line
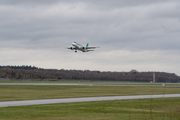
(87, 99)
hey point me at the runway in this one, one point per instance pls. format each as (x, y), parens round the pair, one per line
(44, 84)
(87, 99)
(102, 84)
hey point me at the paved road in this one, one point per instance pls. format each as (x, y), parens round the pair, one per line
(87, 99)
(98, 84)
(43, 84)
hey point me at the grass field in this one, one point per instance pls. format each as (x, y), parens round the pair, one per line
(31, 92)
(144, 109)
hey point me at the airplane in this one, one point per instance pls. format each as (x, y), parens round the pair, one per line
(77, 46)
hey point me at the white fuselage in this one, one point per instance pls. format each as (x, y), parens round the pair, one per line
(79, 47)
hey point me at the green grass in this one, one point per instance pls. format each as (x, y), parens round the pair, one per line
(142, 109)
(31, 92)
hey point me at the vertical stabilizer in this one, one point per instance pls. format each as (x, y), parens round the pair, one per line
(87, 45)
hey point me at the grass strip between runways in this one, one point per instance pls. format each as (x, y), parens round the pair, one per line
(32, 92)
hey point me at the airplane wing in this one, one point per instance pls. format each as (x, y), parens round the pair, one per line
(90, 50)
(72, 48)
(91, 47)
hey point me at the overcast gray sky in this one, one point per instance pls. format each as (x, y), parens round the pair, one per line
(132, 34)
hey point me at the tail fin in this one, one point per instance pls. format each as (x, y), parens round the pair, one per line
(87, 45)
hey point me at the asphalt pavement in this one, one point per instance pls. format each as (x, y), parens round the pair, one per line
(102, 84)
(86, 99)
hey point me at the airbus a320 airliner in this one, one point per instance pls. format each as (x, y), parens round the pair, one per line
(77, 46)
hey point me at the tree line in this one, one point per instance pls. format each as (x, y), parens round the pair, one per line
(35, 73)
